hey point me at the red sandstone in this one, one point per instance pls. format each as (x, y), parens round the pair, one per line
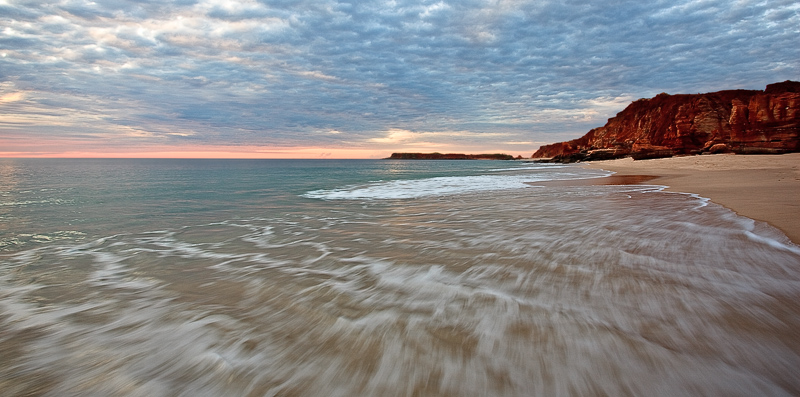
(738, 121)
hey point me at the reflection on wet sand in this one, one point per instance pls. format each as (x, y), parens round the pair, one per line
(608, 180)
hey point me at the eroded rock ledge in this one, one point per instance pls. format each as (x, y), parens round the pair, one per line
(737, 121)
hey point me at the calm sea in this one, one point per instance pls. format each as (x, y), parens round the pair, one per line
(382, 278)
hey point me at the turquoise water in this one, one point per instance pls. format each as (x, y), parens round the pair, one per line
(65, 197)
(367, 277)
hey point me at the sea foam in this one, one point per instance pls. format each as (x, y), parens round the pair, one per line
(443, 186)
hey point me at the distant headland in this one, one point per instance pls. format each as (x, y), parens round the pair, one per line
(449, 156)
(733, 121)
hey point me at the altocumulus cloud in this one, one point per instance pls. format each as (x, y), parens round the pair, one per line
(452, 75)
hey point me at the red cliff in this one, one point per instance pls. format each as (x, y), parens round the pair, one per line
(738, 121)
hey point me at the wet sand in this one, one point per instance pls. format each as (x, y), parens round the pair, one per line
(761, 187)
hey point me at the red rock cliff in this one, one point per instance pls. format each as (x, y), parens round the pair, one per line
(738, 121)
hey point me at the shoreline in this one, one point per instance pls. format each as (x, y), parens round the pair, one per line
(761, 187)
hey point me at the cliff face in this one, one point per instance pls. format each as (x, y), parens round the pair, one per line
(738, 121)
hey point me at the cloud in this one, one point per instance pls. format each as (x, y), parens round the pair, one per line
(398, 136)
(11, 97)
(289, 72)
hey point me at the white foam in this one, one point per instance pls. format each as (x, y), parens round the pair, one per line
(442, 186)
(531, 167)
(772, 242)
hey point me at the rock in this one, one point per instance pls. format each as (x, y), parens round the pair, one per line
(742, 121)
(719, 148)
(645, 150)
(606, 154)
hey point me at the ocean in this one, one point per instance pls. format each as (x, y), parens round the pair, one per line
(383, 278)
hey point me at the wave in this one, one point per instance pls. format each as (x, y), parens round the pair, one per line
(444, 186)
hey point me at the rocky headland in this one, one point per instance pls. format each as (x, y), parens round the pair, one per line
(735, 121)
(449, 156)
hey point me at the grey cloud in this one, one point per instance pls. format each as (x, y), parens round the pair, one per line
(17, 42)
(17, 13)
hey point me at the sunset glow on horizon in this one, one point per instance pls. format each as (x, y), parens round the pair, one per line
(222, 152)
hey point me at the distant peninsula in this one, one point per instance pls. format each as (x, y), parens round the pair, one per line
(733, 121)
(449, 156)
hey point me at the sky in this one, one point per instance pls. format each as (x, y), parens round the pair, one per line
(362, 79)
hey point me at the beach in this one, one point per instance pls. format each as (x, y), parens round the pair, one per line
(760, 187)
(388, 277)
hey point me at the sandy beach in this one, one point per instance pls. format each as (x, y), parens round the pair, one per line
(761, 187)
